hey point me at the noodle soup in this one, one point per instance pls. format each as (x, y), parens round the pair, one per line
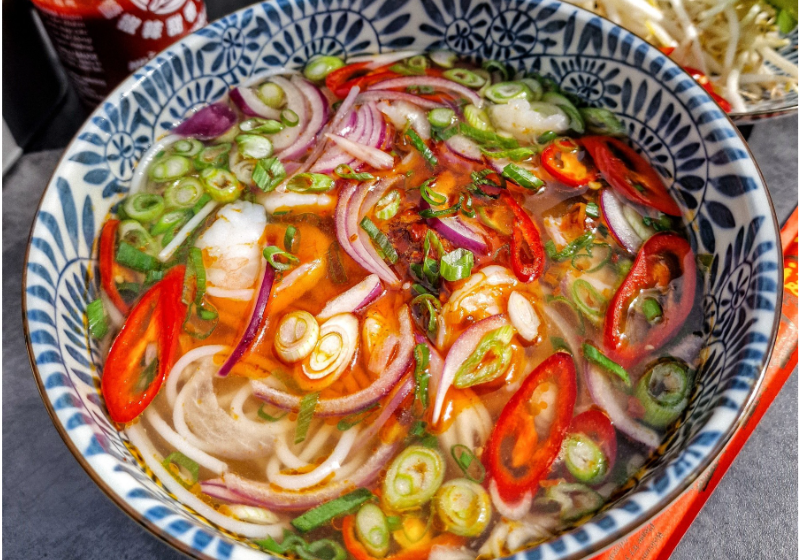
(407, 307)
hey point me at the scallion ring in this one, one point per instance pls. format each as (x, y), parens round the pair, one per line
(504, 92)
(289, 118)
(478, 118)
(221, 185)
(213, 156)
(133, 232)
(187, 147)
(169, 168)
(319, 67)
(464, 507)
(296, 335)
(431, 196)
(278, 259)
(310, 183)
(254, 146)
(144, 207)
(441, 117)
(388, 206)
(261, 126)
(170, 221)
(184, 193)
(271, 94)
(464, 77)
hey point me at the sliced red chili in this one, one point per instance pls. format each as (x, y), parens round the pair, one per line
(703, 80)
(596, 425)
(630, 174)
(527, 251)
(144, 350)
(517, 456)
(568, 162)
(664, 260)
(109, 267)
(341, 81)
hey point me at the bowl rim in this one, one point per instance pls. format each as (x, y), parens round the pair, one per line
(618, 535)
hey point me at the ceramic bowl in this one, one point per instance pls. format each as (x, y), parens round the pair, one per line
(692, 144)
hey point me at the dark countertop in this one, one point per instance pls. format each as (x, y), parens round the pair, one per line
(52, 509)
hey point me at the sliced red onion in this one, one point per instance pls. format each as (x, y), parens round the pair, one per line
(250, 332)
(619, 227)
(207, 123)
(604, 396)
(318, 106)
(249, 103)
(365, 198)
(346, 219)
(688, 349)
(461, 349)
(267, 495)
(465, 147)
(399, 394)
(398, 96)
(298, 103)
(373, 156)
(435, 83)
(354, 299)
(460, 234)
(216, 489)
(356, 402)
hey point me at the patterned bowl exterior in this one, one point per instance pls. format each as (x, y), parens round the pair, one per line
(669, 117)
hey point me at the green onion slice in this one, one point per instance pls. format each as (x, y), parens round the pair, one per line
(130, 257)
(308, 404)
(422, 147)
(169, 168)
(261, 126)
(289, 118)
(388, 206)
(589, 301)
(170, 221)
(372, 530)
(319, 67)
(490, 359)
(268, 174)
(346, 172)
(271, 94)
(469, 464)
(429, 195)
(174, 461)
(273, 254)
(325, 513)
(457, 264)
(591, 353)
(664, 392)
(522, 177)
(187, 147)
(503, 92)
(96, 318)
(441, 117)
(221, 185)
(268, 417)
(310, 183)
(464, 77)
(478, 118)
(421, 376)
(254, 146)
(289, 238)
(213, 156)
(383, 245)
(356, 418)
(184, 193)
(144, 207)
(131, 231)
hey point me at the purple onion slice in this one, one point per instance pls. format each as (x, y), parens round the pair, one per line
(207, 123)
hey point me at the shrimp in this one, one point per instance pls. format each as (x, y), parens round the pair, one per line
(232, 245)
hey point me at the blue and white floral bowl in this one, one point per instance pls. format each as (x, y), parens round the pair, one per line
(669, 117)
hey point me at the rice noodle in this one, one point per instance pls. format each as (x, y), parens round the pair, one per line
(140, 173)
(212, 428)
(175, 374)
(167, 252)
(153, 460)
(179, 443)
(314, 477)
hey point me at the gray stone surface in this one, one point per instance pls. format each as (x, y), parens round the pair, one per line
(52, 509)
